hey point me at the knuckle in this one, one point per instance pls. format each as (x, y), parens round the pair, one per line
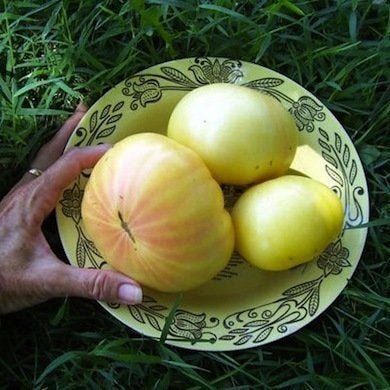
(72, 158)
(100, 287)
(71, 153)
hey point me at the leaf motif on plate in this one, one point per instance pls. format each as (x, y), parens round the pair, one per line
(178, 77)
(243, 340)
(227, 337)
(238, 331)
(114, 118)
(324, 135)
(100, 126)
(118, 106)
(91, 247)
(265, 82)
(136, 313)
(346, 155)
(199, 75)
(153, 321)
(256, 324)
(263, 335)
(105, 111)
(334, 175)
(149, 311)
(157, 307)
(86, 249)
(337, 142)
(352, 172)
(93, 121)
(301, 288)
(342, 169)
(330, 159)
(314, 301)
(324, 145)
(80, 252)
(268, 86)
(105, 132)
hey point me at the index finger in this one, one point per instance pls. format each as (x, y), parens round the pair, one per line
(55, 179)
(52, 150)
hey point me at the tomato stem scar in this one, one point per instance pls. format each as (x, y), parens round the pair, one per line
(125, 227)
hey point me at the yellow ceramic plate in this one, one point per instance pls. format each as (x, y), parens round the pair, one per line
(242, 307)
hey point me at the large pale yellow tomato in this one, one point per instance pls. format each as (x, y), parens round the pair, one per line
(156, 214)
(286, 221)
(243, 136)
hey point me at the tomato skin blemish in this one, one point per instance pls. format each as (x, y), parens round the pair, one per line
(125, 227)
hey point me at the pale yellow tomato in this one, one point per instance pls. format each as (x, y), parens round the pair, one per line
(156, 214)
(286, 221)
(243, 136)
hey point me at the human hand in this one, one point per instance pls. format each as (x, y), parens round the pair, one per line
(30, 273)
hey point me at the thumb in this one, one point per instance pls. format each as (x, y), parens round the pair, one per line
(102, 285)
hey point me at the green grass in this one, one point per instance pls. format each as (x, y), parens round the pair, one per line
(54, 53)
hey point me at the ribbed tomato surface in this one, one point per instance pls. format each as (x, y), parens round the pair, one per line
(156, 214)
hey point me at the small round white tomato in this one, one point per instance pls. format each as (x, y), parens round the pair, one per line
(286, 221)
(243, 136)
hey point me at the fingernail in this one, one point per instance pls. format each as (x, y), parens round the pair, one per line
(129, 294)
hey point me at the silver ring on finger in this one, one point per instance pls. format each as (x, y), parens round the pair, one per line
(35, 172)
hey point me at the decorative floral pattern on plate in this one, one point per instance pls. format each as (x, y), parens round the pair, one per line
(215, 318)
